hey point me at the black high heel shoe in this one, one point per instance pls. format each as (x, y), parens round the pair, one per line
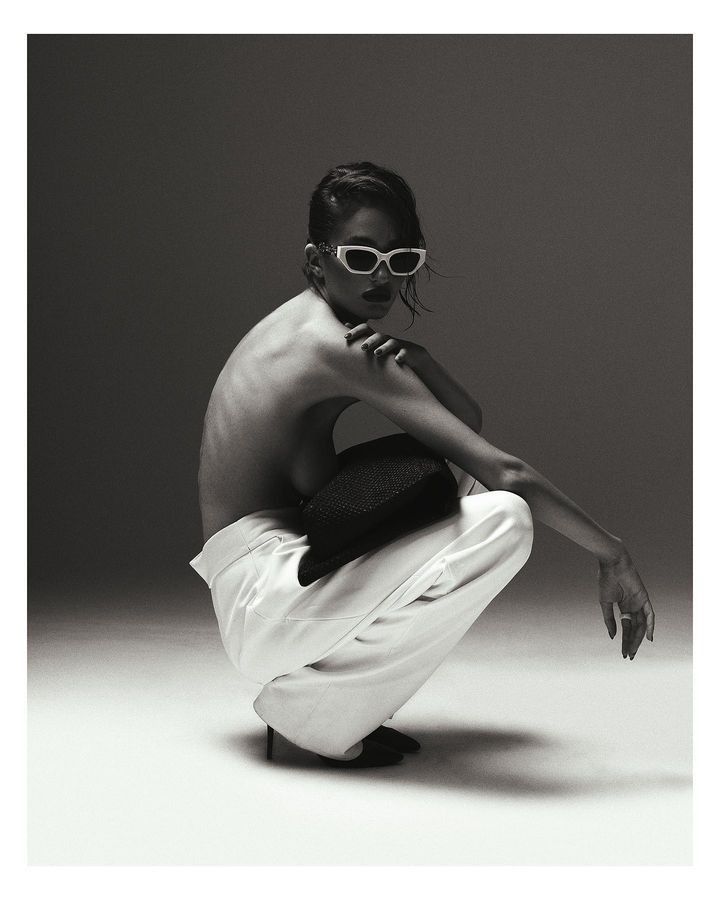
(393, 739)
(373, 755)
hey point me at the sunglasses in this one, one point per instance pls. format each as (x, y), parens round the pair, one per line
(364, 260)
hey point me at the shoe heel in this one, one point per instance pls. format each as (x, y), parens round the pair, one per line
(269, 744)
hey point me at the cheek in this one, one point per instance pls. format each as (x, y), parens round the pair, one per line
(341, 280)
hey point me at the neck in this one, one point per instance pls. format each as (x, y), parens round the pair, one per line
(342, 315)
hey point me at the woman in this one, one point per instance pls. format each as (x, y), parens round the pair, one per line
(338, 657)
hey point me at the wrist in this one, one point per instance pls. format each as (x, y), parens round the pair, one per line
(613, 553)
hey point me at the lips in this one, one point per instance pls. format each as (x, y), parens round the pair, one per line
(377, 294)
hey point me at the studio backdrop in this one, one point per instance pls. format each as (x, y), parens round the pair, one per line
(168, 196)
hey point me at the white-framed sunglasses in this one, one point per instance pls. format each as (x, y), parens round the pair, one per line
(364, 260)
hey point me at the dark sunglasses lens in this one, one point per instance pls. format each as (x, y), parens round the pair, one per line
(361, 260)
(402, 263)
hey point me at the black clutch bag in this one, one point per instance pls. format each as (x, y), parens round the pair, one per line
(385, 488)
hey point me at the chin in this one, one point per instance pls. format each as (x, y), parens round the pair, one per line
(361, 309)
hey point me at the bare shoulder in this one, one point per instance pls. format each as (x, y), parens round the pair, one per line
(284, 356)
(280, 335)
(359, 373)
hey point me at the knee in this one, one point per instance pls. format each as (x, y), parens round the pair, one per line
(517, 520)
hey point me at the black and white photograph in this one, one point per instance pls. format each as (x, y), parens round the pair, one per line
(360, 374)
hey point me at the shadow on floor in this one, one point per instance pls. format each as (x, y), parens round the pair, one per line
(501, 761)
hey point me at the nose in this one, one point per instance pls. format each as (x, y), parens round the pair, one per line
(381, 274)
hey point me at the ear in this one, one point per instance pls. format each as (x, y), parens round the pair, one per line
(312, 254)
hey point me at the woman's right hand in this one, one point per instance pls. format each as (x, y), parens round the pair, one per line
(620, 583)
(406, 352)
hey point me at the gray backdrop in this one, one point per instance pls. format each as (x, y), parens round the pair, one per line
(169, 182)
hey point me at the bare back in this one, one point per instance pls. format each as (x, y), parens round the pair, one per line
(267, 438)
(268, 429)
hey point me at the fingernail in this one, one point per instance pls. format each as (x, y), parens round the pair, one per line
(364, 346)
(347, 335)
(378, 352)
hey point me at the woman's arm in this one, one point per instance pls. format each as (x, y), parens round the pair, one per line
(400, 394)
(449, 391)
(438, 380)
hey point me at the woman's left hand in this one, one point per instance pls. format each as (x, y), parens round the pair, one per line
(405, 351)
(620, 583)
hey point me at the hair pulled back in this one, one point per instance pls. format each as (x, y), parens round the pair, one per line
(348, 187)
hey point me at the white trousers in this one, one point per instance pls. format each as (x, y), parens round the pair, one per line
(339, 657)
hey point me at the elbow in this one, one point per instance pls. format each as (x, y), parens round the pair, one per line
(516, 477)
(479, 420)
(473, 418)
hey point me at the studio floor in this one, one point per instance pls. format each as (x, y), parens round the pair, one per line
(541, 746)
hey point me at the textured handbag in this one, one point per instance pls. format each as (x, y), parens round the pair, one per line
(385, 488)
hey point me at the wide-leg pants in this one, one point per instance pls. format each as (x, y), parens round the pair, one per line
(337, 658)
